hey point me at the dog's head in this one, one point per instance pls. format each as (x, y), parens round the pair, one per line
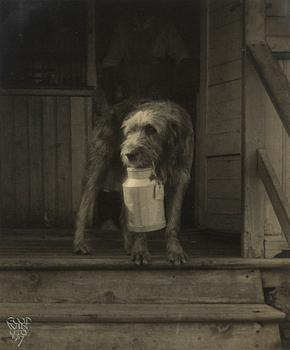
(144, 138)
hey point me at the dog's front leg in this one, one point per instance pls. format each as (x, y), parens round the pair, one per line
(174, 200)
(140, 254)
(127, 235)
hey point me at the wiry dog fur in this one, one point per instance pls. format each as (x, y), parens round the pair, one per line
(157, 134)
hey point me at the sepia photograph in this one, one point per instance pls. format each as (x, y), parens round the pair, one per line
(145, 174)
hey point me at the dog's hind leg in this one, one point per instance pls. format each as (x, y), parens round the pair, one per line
(99, 156)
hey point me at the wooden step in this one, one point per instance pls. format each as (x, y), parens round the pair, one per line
(141, 313)
(131, 286)
(92, 262)
(146, 336)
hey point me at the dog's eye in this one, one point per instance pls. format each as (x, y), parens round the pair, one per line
(150, 130)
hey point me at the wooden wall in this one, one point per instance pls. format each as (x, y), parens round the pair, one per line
(220, 148)
(278, 25)
(277, 144)
(42, 154)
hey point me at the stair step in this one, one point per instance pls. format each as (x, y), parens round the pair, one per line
(92, 262)
(141, 313)
(132, 286)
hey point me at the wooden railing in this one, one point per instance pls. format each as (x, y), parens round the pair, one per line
(278, 89)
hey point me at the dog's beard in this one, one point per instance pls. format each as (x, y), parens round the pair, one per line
(146, 153)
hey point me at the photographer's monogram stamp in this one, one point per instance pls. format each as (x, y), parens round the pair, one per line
(18, 327)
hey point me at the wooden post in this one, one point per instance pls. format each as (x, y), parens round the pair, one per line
(200, 161)
(253, 196)
(91, 57)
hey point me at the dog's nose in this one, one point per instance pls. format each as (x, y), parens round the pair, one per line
(131, 156)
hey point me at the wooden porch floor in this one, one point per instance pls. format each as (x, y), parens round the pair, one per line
(52, 243)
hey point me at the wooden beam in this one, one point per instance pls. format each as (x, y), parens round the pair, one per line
(253, 105)
(274, 80)
(46, 92)
(91, 56)
(255, 14)
(275, 192)
(200, 161)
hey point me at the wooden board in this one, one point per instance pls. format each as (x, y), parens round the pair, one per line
(145, 313)
(7, 150)
(131, 286)
(278, 26)
(225, 72)
(64, 161)
(176, 336)
(254, 193)
(226, 15)
(224, 223)
(49, 160)
(22, 160)
(224, 168)
(35, 130)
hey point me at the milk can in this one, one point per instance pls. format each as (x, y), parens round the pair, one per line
(144, 201)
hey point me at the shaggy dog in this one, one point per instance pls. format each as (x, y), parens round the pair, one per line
(148, 134)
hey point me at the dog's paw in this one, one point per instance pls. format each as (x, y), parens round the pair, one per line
(139, 253)
(81, 248)
(175, 252)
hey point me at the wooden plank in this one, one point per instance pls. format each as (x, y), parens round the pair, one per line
(277, 196)
(200, 160)
(255, 14)
(275, 81)
(47, 92)
(218, 5)
(224, 168)
(225, 72)
(78, 147)
(7, 161)
(279, 44)
(224, 206)
(278, 26)
(224, 93)
(224, 223)
(91, 56)
(253, 137)
(137, 286)
(147, 336)
(228, 34)
(216, 144)
(272, 248)
(227, 15)
(227, 189)
(90, 124)
(145, 313)
(76, 263)
(64, 195)
(49, 160)
(278, 8)
(22, 161)
(36, 215)
(224, 116)
(227, 52)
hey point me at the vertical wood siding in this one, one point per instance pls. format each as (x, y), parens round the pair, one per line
(222, 129)
(277, 144)
(42, 157)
